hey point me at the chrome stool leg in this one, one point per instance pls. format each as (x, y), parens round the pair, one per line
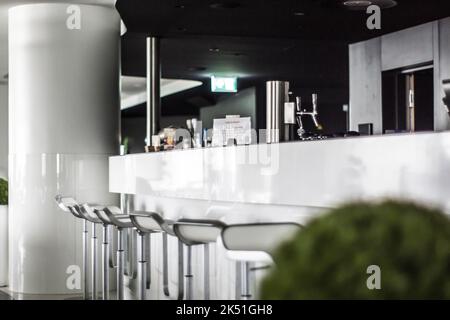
(142, 268)
(112, 260)
(85, 260)
(94, 261)
(245, 281)
(180, 271)
(165, 265)
(238, 280)
(206, 270)
(148, 259)
(166, 268)
(188, 274)
(120, 264)
(105, 263)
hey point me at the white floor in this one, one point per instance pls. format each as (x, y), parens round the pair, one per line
(6, 294)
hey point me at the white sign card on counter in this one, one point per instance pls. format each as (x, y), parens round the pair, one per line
(232, 128)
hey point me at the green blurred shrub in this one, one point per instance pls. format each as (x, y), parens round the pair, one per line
(3, 192)
(328, 259)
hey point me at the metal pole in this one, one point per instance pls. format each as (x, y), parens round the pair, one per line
(120, 264)
(189, 273)
(130, 253)
(112, 261)
(105, 266)
(238, 279)
(85, 260)
(165, 266)
(180, 271)
(94, 261)
(153, 88)
(206, 270)
(245, 283)
(277, 93)
(148, 255)
(142, 269)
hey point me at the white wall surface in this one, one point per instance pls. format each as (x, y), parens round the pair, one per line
(365, 84)
(3, 131)
(427, 43)
(407, 47)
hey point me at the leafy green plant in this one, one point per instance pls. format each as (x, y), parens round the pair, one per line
(329, 258)
(3, 192)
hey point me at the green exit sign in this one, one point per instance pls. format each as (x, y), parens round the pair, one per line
(223, 84)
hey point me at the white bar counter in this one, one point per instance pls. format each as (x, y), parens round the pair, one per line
(279, 182)
(306, 174)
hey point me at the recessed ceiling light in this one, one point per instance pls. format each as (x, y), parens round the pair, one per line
(299, 14)
(225, 5)
(180, 6)
(214, 49)
(363, 4)
(357, 4)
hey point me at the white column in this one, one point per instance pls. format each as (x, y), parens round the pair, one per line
(3, 129)
(63, 125)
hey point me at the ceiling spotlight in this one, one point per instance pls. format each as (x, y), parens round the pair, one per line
(225, 5)
(214, 49)
(357, 4)
(363, 4)
(299, 14)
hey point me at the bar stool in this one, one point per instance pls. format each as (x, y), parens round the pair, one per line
(106, 258)
(69, 204)
(120, 221)
(197, 232)
(88, 214)
(148, 223)
(86, 211)
(255, 243)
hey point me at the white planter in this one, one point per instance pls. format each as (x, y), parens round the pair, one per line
(3, 246)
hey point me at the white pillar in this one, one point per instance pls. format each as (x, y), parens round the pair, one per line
(63, 124)
(3, 129)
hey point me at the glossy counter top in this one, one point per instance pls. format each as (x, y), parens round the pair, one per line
(308, 174)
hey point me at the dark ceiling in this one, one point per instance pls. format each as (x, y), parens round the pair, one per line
(303, 41)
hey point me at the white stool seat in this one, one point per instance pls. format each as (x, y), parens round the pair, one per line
(250, 256)
(151, 222)
(194, 232)
(117, 218)
(258, 236)
(255, 243)
(198, 231)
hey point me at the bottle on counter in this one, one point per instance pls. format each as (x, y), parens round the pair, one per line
(156, 144)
